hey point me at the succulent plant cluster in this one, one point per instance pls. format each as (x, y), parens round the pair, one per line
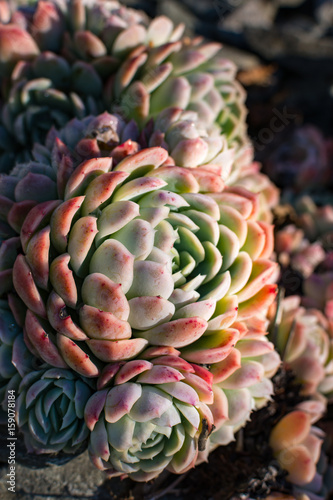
(136, 268)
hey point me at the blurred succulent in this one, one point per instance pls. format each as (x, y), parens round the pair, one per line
(305, 340)
(298, 447)
(306, 249)
(50, 410)
(154, 417)
(296, 252)
(301, 161)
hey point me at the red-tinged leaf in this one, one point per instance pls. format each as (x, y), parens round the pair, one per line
(258, 303)
(132, 369)
(269, 240)
(41, 342)
(222, 370)
(154, 351)
(61, 320)
(103, 325)
(203, 389)
(61, 222)
(174, 361)
(26, 288)
(249, 373)
(203, 373)
(37, 217)
(108, 373)
(100, 190)
(212, 348)
(149, 156)
(101, 292)
(76, 358)
(262, 271)
(94, 408)
(83, 174)
(116, 350)
(38, 257)
(160, 374)
(62, 279)
(178, 333)
(120, 400)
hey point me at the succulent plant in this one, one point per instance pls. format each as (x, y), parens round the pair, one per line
(15, 358)
(154, 417)
(301, 162)
(298, 447)
(190, 74)
(242, 381)
(81, 57)
(174, 264)
(70, 50)
(50, 410)
(304, 339)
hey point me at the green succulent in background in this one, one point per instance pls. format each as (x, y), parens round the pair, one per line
(50, 410)
(84, 57)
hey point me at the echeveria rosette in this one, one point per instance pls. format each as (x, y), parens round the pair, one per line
(190, 74)
(304, 339)
(242, 381)
(47, 92)
(154, 417)
(174, 265)
(297, 445)
(50, 410)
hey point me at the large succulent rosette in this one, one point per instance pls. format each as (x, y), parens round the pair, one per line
(131, 257)
(154, 416)
(305, 341)
(50, 409)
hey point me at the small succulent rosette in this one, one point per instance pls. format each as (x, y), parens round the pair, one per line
(242, 381)
(15, 358)
(153, 417)
(297, 445)
(50, 411)
(190, 74)
(304, 339)
(113, 260)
